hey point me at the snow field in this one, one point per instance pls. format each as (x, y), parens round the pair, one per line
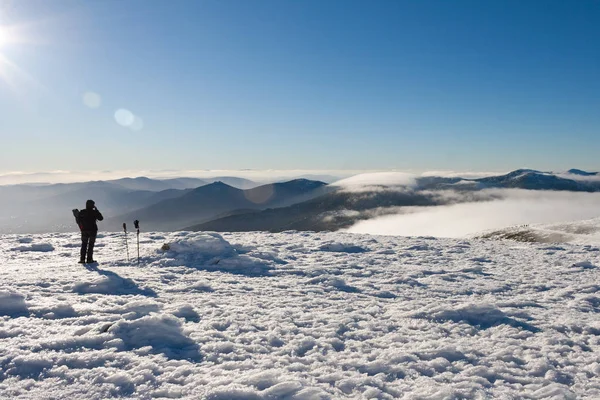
(298, 316)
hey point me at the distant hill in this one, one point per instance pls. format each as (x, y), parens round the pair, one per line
(156, 185)
(518, 179)
(439, 183)
(143, 183)
(536, 180)
(108, 197)
(209, 201)
(34, 208)
(320, 177)
(240, 183)
(575, 171)
(29, 208)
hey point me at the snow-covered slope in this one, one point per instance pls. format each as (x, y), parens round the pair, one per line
(581, 232)
(298, 316)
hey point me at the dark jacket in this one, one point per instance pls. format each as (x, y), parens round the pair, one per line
(87, 219)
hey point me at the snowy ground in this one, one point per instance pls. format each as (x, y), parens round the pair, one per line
(299, 316)
(580, 232)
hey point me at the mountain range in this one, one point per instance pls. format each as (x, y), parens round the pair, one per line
(341, 208)
(237, 204)
(329, 212)
(31, 208)
(519, 179)
(209, 201)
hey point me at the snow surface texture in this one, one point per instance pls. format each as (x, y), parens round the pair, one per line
(298, 316)
(580, 232)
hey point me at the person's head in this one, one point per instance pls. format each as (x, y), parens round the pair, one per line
(90, 204)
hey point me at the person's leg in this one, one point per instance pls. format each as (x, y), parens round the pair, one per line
(90, 249)
(84, 245)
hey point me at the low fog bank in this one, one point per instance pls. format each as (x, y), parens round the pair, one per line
(260, 176)
(462, 174)
(580, 178)
(377, 181)
(488, 210)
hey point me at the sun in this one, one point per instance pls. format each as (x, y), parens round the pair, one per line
(12, 76)
(10, 73)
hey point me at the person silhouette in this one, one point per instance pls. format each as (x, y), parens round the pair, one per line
(89, 230)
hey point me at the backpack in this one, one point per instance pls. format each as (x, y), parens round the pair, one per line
(77, 219)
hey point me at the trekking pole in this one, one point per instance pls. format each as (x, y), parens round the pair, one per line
(136, 223)
(126, 245)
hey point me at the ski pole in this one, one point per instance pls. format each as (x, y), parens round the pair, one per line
(136, 223)
(126, 245)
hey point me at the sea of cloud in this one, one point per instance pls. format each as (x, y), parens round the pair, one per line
(463, 174)
(486, 210)
(581, 178)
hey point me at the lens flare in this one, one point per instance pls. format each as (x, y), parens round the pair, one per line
(92, 99)
(124, 117)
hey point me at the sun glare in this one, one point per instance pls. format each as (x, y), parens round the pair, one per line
(3, 36)
(7, 35)
(10, 73)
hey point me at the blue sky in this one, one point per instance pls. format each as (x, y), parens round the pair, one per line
(274, 84)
